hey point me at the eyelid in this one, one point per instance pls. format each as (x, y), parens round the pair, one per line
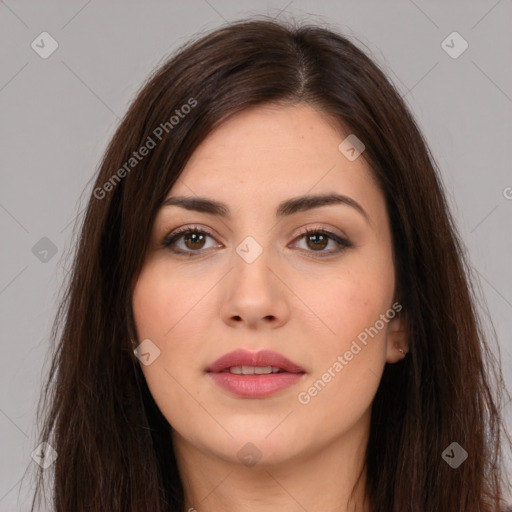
(341, 240)
(321, 228)
(175, 234)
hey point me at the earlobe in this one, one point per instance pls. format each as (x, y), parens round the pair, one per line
(397, 340)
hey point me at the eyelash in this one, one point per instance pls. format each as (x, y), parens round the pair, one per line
(172, 238)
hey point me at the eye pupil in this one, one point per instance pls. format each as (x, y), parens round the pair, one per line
(194, 240)
(323, 240)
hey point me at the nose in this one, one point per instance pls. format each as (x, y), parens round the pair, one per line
(255, 295)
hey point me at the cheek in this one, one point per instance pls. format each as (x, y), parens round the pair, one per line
(349, 363)
(162, 299)
(362, 304)
(346, 371)
(163, 311)
(351, 303)
(152, 299)
(163, 307)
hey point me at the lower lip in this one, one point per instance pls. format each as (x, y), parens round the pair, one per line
(255, 386)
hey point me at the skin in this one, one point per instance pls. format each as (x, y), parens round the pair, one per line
(291, 300)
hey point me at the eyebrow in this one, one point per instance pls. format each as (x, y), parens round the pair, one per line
(286, 208)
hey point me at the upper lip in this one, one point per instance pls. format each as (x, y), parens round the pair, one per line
(243, 357)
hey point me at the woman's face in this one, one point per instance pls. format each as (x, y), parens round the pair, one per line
(252, 280)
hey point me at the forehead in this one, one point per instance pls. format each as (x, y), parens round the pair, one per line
(268, 153)
(292, 132)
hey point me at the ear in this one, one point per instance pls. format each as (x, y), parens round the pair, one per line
(397, 340)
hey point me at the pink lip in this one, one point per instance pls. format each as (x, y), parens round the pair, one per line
(243, 357)
(254, 386)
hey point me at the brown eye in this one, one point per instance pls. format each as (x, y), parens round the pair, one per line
(317, 241)
(192, 240)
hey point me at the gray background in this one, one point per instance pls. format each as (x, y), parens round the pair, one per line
(59, 113)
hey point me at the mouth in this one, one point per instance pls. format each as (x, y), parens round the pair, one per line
(254, 375)
(252, 370)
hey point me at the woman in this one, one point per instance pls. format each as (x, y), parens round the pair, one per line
(269, 305)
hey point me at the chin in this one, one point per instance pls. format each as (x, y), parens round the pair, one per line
(253, 448)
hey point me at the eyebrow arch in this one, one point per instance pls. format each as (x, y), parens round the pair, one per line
(286, 208)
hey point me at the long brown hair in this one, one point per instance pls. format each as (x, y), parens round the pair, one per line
(113, 443)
